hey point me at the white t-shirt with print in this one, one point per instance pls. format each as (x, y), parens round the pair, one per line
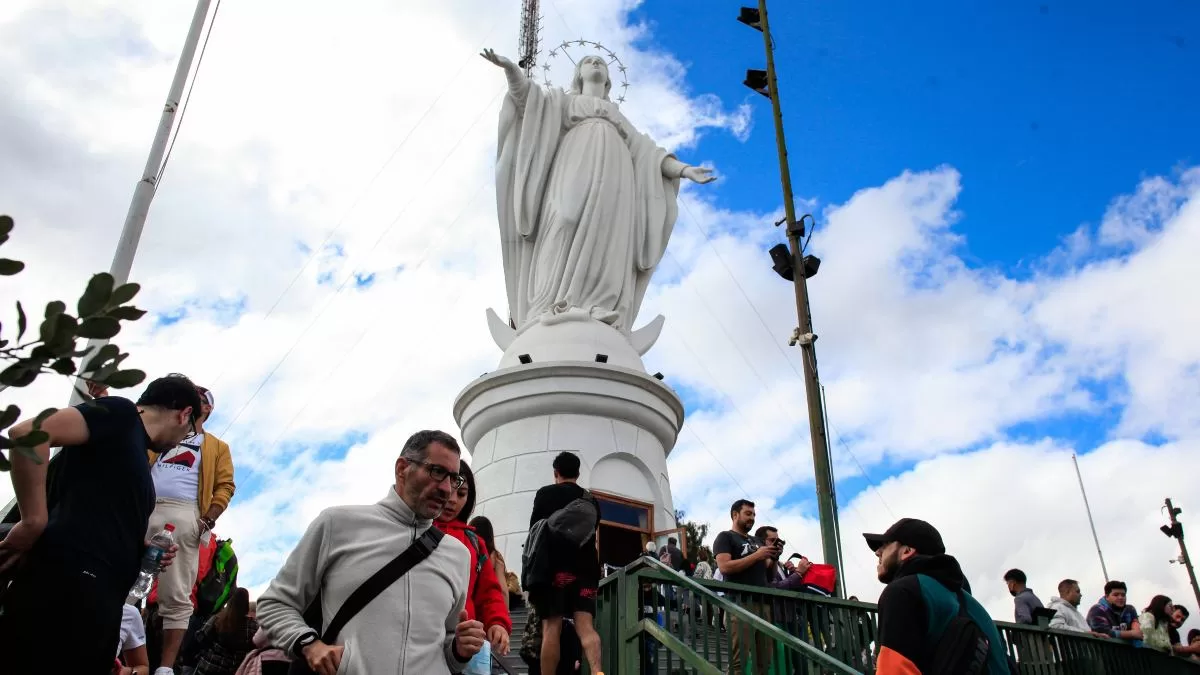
(133, 631)
(176, 474)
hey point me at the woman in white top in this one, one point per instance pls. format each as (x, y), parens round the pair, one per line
(1155, 622)
(132, 647)
(704, 567)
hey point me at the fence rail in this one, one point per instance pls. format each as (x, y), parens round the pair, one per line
(656, 621)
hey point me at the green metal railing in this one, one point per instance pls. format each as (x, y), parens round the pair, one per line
(1038, 651)
(654, 620)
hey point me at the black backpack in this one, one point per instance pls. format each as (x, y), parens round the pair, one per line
(575, 523)
(963, 648)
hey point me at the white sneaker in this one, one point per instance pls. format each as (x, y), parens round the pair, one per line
(165, 671)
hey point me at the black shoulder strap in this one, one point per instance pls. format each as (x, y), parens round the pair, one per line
(372, 587)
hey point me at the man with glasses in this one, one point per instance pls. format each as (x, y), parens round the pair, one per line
(418, 624)
(77, 551)
(193, 483)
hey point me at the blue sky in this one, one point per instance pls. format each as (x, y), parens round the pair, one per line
(1048, 109)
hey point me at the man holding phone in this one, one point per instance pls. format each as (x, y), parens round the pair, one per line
(742, 559)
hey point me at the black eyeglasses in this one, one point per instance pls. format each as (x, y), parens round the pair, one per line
(440, 473)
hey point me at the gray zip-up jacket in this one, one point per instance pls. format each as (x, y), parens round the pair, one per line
(409, 628)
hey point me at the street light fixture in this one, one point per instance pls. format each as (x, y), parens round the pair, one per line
(751, 17)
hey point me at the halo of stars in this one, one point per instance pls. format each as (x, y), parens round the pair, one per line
(621, 86)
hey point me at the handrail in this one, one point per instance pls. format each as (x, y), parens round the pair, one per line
(759, 624)
(497, 661)
(681, 650)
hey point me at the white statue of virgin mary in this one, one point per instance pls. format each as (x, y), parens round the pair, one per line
(586, 202)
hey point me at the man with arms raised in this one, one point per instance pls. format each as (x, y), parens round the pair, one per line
(81, 555)
(925, 613)
(418, 624)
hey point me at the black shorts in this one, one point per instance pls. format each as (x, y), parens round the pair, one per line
(566, 596)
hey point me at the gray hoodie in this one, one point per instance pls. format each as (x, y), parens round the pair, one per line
(409, 628)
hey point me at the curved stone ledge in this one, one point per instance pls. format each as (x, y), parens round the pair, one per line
(568, 387)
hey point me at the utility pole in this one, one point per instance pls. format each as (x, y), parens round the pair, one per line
(1175, 531)
(1088, 507)
(792, 264)
(143, 193)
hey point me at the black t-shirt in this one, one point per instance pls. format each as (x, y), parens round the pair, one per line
(583, 563)
(103, 495)
(739, 546)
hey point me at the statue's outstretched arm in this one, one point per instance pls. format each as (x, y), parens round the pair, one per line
(673, 168)
(517, 82)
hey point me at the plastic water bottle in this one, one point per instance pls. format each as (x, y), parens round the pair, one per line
(152, 561)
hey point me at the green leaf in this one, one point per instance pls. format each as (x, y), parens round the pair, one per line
(22, 322)
(98, 328)
(32, 439)
(10, 415)
(58, 334)
(6, 224)
(127, 313)
(123, 294)
(18, 375)
(41, 417)
(123, 379)
(55, 307)
(63, 366)
(9, 267)
(103, 355)
(27, 451)
(95, 298)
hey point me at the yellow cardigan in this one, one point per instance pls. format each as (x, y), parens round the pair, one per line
(216, 473)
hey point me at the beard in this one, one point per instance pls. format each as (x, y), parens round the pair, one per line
(887, 568)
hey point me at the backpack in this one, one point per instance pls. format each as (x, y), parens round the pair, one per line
(480, 556)
(535, 541)
(821, 579)
(215, 588)
(963, 648)
(575, 523)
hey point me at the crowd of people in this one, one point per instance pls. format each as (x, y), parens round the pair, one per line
(409, 584)
(413, 583)
(1155, 627)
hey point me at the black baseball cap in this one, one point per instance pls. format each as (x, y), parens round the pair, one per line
(910, 532)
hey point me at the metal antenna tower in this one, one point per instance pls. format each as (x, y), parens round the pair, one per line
(531, 29)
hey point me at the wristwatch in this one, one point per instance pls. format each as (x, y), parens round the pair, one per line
(304, 641)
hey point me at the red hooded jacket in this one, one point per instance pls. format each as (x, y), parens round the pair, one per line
(487, 599)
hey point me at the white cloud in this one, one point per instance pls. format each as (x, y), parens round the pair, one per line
(295, 112)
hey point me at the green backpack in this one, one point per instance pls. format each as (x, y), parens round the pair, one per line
(220, 581)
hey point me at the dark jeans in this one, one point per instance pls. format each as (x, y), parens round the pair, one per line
(47, 597)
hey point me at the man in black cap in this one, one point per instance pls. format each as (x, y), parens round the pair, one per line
(921, 606)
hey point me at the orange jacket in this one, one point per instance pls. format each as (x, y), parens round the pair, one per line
(216, 473)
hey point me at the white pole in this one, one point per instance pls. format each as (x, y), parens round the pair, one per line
(1091, 522)
(143, 194)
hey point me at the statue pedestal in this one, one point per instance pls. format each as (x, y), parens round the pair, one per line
(620, 421)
